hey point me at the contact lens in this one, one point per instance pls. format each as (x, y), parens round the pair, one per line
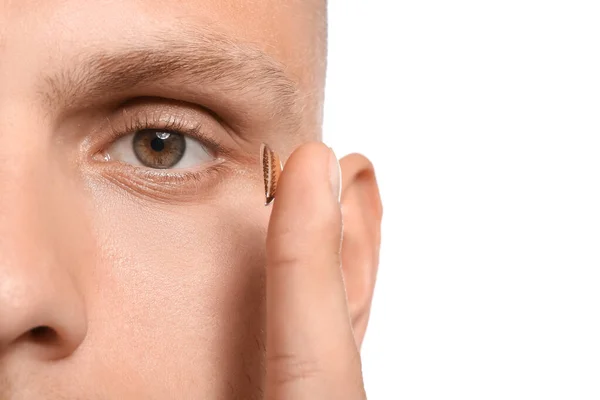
(271, 166)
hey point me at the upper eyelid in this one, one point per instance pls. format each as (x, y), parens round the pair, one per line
(124, 123)
(172, 124)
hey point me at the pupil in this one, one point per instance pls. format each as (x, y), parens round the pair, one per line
(157, 144)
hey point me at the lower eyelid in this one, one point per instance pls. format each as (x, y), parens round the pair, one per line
(167, 186)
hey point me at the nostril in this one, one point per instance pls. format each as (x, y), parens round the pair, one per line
(43, 335)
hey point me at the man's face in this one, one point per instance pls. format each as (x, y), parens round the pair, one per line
(132, 221)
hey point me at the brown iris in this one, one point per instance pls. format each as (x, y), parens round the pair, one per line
(158, 149)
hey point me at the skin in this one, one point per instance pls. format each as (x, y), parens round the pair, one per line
(122, 282)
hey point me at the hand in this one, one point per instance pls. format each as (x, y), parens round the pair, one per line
(311, 350)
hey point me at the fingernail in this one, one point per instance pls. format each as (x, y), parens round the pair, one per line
(335, 175)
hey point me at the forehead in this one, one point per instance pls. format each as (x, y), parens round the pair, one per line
(290, 31)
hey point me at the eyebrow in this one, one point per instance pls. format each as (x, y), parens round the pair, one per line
(198, 58)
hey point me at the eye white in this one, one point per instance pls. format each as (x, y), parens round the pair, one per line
(195, 153)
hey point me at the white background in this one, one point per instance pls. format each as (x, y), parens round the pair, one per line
(483, 121)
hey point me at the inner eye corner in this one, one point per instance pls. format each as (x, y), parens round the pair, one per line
(102, 156)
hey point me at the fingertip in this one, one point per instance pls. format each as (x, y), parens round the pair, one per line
(307, 160)
(306, 211)
(309, 178)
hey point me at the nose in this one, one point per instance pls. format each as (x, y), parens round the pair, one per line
(41, 304)
(39, 309)
(36, 311)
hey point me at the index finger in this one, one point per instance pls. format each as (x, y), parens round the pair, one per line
(311, 352)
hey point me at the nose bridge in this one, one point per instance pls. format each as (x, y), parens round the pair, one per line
(39, 258)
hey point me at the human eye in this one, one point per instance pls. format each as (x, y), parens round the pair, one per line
(159, 145)
(163, 148)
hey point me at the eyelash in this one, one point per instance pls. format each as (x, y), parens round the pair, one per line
(173, 125)
(162, 183)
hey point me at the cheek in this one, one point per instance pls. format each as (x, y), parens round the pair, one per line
(177, 293)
